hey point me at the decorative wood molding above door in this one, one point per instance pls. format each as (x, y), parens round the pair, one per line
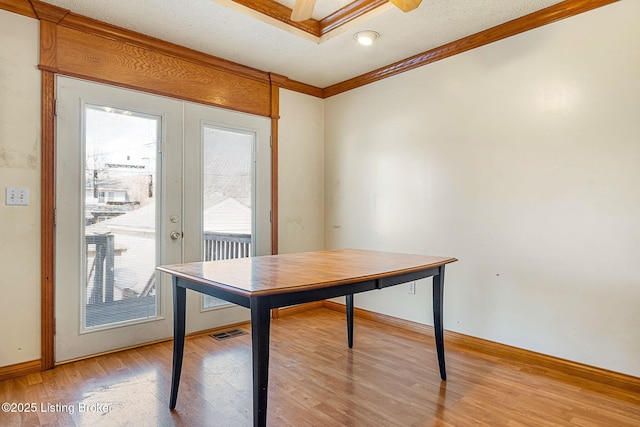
(276, 11)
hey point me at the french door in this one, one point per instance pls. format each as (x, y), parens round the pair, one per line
(227, 198)
(143, 180)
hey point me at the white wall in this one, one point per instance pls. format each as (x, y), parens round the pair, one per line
(301, 173)
(522, 159)
(19, 167)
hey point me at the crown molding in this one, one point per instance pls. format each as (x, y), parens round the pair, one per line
(47, 12)
(287, 83)
(21, 7)
(559, 11)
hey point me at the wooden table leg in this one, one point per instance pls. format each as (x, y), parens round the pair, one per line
(349, 304)
(179, 303)
(438, 300)
(260, 325)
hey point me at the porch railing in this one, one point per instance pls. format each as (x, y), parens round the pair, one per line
(100, 277)
(218, 246)
(102, 268)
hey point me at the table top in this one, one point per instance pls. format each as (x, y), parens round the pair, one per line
(276, 274)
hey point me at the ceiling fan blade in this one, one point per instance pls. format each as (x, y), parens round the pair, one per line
(302, 10)
(405, 5)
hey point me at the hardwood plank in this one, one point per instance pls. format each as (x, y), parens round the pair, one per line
(389, 378)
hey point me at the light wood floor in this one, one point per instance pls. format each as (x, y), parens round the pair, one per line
(389, 378)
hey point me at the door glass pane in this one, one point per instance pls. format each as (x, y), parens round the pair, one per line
(227, 196)
(119, 282)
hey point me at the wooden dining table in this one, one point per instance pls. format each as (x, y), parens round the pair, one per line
(266, 282)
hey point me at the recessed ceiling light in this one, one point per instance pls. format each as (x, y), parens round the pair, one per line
(366, 38)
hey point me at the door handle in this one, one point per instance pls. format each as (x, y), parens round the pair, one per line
(175, 235)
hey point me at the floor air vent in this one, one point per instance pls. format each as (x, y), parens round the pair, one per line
(228, 334)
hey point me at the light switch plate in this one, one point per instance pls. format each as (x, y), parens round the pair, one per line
(15, 196)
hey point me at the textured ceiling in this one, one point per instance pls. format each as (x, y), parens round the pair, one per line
(218, 30)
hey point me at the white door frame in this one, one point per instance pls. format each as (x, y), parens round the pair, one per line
(171, 250)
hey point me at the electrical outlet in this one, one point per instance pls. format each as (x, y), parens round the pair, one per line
(412, 288)
(16, 196)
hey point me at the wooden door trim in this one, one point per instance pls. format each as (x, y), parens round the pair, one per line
(275, 116)
(47, 223)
